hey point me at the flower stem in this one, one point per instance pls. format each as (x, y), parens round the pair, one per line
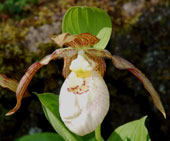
(98, 133)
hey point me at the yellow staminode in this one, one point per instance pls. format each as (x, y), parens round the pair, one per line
(82, 73)
(82, 66)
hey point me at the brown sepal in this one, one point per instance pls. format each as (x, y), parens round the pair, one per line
(81, 40)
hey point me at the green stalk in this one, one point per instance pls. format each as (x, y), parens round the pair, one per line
(98, 133)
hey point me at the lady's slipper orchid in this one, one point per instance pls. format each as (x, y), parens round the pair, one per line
(84, 97)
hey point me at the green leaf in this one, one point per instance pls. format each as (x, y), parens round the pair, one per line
(41, 137)
(50, 104)
(89, 137)
(132, 131)
(88, 19)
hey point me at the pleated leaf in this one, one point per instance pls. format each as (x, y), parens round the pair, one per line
(50, 104)
(132, 131)
(91, 20)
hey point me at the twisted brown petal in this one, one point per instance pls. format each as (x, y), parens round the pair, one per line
(81, 40)
(6, 82)
(99, 53)
(23, 84)
(100, 64)
(26, 79)
(121, 63)
(10, 84)
(67, 61)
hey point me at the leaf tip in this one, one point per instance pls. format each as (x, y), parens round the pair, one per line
(144, 118)
(35, 93)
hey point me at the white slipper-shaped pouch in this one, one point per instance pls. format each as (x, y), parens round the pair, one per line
(84, 97)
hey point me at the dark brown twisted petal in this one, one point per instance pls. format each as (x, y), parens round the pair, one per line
(98, 53)
(98, 56)
(23, 84)
(81, 40)
(26, 79)
(6, 82)
(10, 84)
(100, 64)
(67, 61)
(121, 63)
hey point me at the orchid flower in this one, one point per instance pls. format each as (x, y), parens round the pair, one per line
(84, 96)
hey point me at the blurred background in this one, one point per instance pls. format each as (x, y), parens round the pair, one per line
(141, 34)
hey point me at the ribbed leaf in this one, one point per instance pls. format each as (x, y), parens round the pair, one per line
(132, 131)
(50, 106)
(95, 21)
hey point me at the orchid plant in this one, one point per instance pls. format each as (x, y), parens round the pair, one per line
(84, 96)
